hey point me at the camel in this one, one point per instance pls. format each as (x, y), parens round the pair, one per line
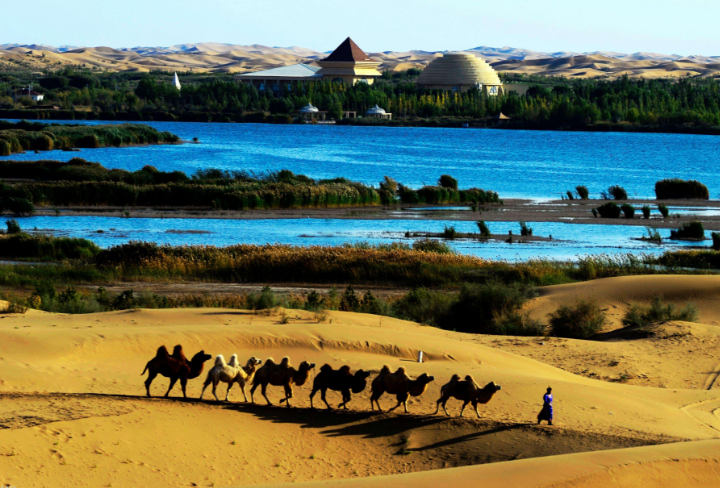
(340, 380)
(175, 367)
(282, 374)
(230, 373)
(398, 383)
(468, 391)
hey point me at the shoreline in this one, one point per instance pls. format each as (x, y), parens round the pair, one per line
(514, 210)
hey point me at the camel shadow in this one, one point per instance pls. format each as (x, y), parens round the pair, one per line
(387, 426)
(468, 437)
(306, 418)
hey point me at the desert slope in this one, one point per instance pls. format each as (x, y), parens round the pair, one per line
(73, 411)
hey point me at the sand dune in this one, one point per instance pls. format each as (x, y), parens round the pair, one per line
(231, 58)
(72, 405)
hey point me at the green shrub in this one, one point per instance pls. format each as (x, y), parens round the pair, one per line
(525, 230)
(13, 227)
(580, 321)
(431, 245)
(447, 181)
(483, 228)
(628, 210)
(664, 211)
(265, 300)
(646, 211)
(716, 240)
(42, 247)
(582, 192)
(423, 306)
(689, 230)
(638, 316)
(675, 188)
(653, 235)
(617, 192)
(570, 195)
(449, 232)
(479, 306)
(609, 210)
(516, 323)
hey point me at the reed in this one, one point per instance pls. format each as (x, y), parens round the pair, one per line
(675, 188)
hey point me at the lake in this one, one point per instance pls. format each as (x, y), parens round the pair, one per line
(516, 164)
(571, 240)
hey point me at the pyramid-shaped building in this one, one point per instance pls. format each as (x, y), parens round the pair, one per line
(348, 63)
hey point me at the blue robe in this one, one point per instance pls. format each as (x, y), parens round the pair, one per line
(547, 410)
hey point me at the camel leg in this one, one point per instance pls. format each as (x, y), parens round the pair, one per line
(149, 380)
(288, 395)
(252, 392)
(445, 409)
(312, 394)
(437, 406)
(227, 393)
(243, 390)
(476, 410)
(375, 398)
(463, 408)
(346, 398)
(323, 392)
(183, 383)
(263, 390)
(205, 385)
(215, 384)
(172, 383)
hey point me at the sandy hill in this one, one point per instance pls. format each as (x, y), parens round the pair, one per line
(73, 410)
(232, 58)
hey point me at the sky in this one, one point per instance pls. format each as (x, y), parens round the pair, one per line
(684, 27)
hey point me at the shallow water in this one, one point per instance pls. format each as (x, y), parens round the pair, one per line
(516, 164)
(571, 240)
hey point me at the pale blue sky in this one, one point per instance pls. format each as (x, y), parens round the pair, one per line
(673, 27)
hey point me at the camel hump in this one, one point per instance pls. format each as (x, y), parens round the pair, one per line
(326, 368)
(470, 379)
(220, 360)
(285, 363)
(269, 362)
(455, 377)
(233, 360)
(162, 352)
(178, 352)
(345, 369)
(400, 370)
(385, 369)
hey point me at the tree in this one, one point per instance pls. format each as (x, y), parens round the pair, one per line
(336, 111)
(447, 181)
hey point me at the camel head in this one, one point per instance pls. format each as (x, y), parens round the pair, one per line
(301, 375)
(418, 386)
(492, 387)
(359, 380)
(305, 366)
(200, 358)
(252, 363)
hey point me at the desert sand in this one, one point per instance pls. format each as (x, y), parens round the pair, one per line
(210, 57)
(73, 410)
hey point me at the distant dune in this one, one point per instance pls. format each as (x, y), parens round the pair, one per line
(216, 57)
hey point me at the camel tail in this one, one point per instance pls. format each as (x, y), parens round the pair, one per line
(146, 368)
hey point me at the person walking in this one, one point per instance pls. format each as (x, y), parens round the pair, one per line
(547, 410)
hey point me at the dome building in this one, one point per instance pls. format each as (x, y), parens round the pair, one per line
(378, 112)
(460, 72)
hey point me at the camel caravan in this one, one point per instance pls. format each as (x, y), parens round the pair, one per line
(177, 367)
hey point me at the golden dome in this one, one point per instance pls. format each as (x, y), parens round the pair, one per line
(458, 69)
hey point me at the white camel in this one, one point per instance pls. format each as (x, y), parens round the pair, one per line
(230, 373)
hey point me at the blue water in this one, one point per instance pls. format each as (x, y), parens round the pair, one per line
(522, 164)
(571, 240)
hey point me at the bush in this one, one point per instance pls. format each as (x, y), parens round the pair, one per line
(628, 210)
(646, 211)
(570, 195)
(13, 227)
(449, 232)
(42, 247)
(430, 245)
(664, 211)
(582, 192)
(675, 188)
(716, 240)
(609, 210)
(638, 316)
(516, 323)
(689, 230)
(447, 181)
(483, 228)
(265, 300)
(423, 306)
(617, 192)
(525, 230)
(580, 321)
(478, 307)
(16, 206)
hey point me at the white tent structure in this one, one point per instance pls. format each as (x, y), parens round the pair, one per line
(176, 81)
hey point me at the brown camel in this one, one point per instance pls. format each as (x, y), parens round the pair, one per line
(468, 391)
(341, 380)
(398, 383)
(282, 374)
(175, 367)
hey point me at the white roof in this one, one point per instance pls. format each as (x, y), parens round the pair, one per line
(375, 110)
(309, 109)
(292, 71)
